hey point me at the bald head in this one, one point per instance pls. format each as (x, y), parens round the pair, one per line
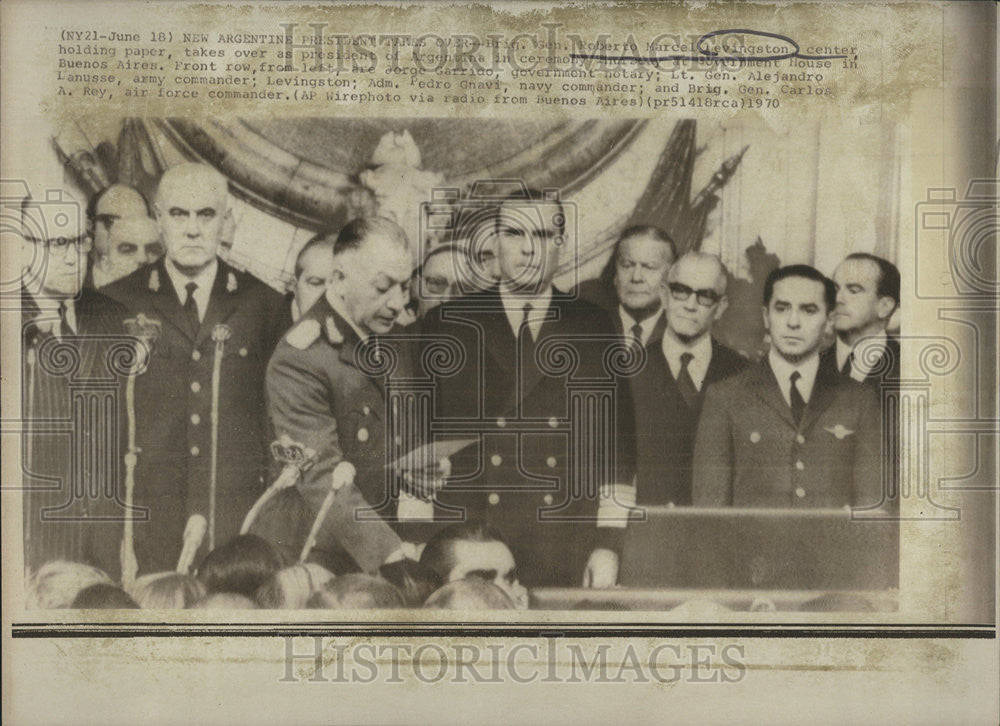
(192, 204)
(200, 177)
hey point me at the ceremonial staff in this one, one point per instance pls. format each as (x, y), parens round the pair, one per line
(194, 533)
(342, 475)
(220, 334)
(296, 459)
(146, 332)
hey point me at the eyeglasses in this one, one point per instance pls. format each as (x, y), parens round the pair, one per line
(61, 245)
(706, 298)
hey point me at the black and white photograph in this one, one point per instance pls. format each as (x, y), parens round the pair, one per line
(614, 376)
(607, 361)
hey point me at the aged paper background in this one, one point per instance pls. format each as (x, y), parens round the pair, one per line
(927, 69)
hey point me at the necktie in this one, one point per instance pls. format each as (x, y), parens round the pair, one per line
(64, 328)
(191, 308)
(637, 336)
(525, 323)
(848, 365)
(527, 343)
(798, 403)
(685, 383)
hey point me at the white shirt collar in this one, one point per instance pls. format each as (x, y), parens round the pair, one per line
(338, 307)
(204, 280)
(864, 357)
(48, 316)
(673, 349)
(513, 305)
(647, 325)
(783, 371)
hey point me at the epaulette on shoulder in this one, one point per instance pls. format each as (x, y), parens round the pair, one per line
(304, 334)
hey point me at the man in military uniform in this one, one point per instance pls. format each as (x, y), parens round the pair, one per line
(789, 432)
(213, 318)
(326, 389)
(72, 501)
(539, 471)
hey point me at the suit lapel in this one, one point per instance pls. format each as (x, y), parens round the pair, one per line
(656, 336)
(823, 394)
(164, 298)
(765, 386)
(222, 303)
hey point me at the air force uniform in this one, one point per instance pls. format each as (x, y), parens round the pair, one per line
(751, 452)
(174, 402)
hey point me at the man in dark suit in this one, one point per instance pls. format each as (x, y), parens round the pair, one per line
(867, 296)
(71, 380)
(631, 284)
(789, 433)
(668, 392)
(213, 317)
(552, 416)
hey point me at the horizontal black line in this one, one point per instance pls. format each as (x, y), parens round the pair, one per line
(528, 632)
(444, 625)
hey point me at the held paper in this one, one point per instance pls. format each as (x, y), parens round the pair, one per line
(766, 135)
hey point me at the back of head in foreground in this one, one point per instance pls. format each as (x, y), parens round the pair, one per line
(240, 566)
(57, 583)
(356, 591)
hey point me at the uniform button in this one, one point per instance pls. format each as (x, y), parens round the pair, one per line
(195, 451)
(366, 410)
(501, 422)
(496, 460)
(551, 462)
(547, 499)
(800, 492)
(799, 465)
(243, 352)
(800, 439)
(195, 355)
(754, 437)
(195, 386)
(195, 419)
(553, 423)
(362, 435)
(493, 499)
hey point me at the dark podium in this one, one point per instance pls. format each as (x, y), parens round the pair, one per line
(748, 559)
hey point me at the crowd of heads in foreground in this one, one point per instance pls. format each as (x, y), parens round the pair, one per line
(463, 567)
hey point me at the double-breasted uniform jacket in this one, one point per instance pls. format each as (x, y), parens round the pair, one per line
(554, 424)
(750, 453)
(666, 425)
(327, 392)
(173, 401)
(72, 391)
